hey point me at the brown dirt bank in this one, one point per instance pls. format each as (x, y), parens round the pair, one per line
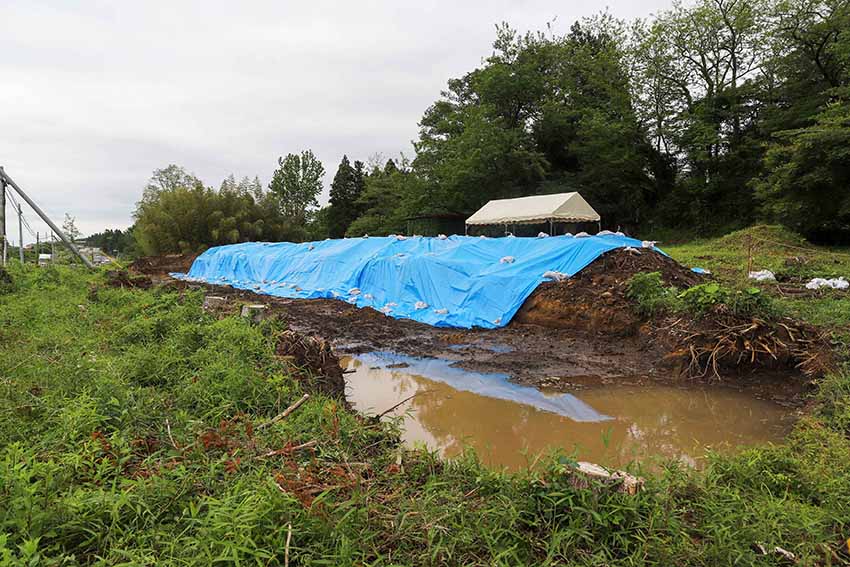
(594, 300)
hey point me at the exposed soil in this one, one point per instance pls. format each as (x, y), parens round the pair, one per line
(570, 335)
(158, 267)
(124, 279)
(594, 299)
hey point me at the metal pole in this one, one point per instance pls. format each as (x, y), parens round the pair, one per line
(37, 247)
(20, 234)
(45, 218)
(3, 217)
(52, 250)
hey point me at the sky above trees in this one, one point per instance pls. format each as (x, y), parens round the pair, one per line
(97, 95)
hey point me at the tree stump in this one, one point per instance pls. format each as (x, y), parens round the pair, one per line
(255, 313)
(213, 302)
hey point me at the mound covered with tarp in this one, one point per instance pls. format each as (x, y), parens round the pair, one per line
(457, 281)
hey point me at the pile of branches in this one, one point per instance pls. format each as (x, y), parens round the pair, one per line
(314, 356)
(730, 344)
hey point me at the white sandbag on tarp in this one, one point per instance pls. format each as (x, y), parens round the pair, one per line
(507, 260)
(555, 276)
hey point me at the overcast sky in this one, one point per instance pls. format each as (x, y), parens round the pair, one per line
(95, 95)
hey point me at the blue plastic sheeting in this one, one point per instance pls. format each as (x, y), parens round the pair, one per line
(489, 384)
(459, 281)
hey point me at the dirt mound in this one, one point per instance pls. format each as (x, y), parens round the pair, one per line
(159, 265)
(594, 300)
(315, 356)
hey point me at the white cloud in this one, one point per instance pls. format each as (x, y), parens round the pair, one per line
(96, 94)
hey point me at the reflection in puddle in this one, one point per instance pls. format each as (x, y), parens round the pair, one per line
(509, 424)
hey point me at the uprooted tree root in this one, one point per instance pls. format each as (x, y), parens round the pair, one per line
(719, 345)
(322, 371)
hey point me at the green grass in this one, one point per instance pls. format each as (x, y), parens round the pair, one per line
(787, 255)
(129, 436)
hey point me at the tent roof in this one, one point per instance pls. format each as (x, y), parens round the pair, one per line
(565, 207)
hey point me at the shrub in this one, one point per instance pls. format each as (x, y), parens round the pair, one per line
(7, 284)
(701, 298)
(647, 290)
(747, 302)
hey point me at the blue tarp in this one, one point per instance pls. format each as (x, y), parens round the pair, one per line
(459, 281)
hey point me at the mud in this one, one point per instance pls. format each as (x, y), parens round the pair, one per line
(124, 279)
(569, 336)
(509, 425)
(559, 360)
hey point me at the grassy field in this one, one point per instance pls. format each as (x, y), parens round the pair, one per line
(130, 434)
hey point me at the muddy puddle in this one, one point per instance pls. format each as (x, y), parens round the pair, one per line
(509, 424)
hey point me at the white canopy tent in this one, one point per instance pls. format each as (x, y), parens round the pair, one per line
(558, 207)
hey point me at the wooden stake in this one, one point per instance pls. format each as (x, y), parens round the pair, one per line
(285, 412)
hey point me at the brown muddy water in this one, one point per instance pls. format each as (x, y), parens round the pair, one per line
(509, 425)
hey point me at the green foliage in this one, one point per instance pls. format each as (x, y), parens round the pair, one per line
(650, 296)
(806, 166)
(383, 199)
(7, 284)
(346, 188)
(701, 298)
(745, 302)
(125, 439)
(544, 113)
(177, 214)
(708, 117)
(115, 241)
(296, 184)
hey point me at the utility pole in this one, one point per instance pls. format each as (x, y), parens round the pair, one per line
(20, 233)
(3, 218)
(45, 218)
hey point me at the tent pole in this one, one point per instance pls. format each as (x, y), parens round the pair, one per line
(598, 226)
(465, 229)
(551, 228)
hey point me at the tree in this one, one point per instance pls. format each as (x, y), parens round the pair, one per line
(806, 167)
(114, 241)
(382, 201)
(185, 216)
(69, 227)
(346, 188)
(544, 113)
(297, 183)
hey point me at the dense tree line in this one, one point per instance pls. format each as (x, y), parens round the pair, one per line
(114, 241)
(710, 116)
(177, 213)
